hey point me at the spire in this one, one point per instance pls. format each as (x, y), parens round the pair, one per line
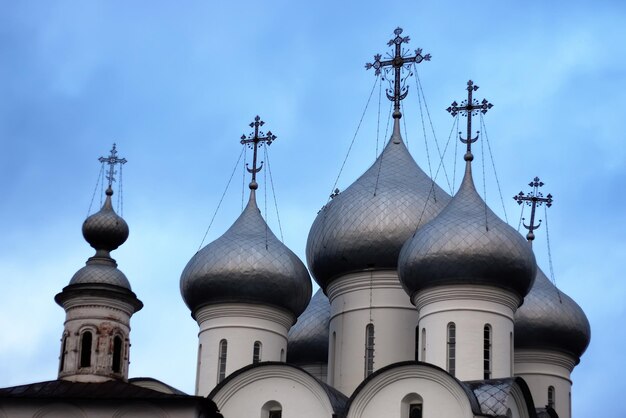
(112, 160)
(469, 107)
(533, 199)
(254, 140)
(398, 61)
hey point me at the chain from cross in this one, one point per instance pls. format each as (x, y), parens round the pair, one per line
(470, 107)
(397, 62)
(254, 140)
(112, 160)
(533, 199)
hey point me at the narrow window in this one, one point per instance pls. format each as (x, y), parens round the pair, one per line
(117, 354)
(512, 353)
(412, 406)
(369, 349)
(487, 351)
(221, 364)
(423, 344)
(272, 409)
(85, 349)
(282, 355)
(417, 343)
(63, 348)
(551, 397)
(331, 360)
(451, 348)
(415, 410)
(256, 352)
(198, 367)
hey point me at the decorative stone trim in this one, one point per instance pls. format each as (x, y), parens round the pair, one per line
(223, 310)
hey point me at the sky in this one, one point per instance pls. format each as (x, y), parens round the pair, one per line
(175, 85)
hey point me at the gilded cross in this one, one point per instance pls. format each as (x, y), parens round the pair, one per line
(533, 199)
(253, 141)
(470, 107)
(397, 62)
(112, 160)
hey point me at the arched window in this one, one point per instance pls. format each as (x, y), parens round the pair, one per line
(369, 349)
(256, 352)
(85, 349)
(551, 397)
(451, 356)
(487, 351)
(117, 354)
(221, 361)
(282, 355)
(423, 344)
(412, 406)
(272, 409)
(63, 348)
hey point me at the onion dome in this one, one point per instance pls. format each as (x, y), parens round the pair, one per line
(308, 338)
(104, 231)
(467, 244)
(247, 264)
(364, 226)
(549, 319)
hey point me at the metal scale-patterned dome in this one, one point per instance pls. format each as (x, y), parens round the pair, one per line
(364, 226)
(549, 319)
(467, 244)
(246, 264)
(105, 231)
(308, 338)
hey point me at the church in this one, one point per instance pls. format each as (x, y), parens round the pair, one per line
(430, 306)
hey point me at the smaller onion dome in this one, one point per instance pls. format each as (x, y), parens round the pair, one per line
(365, 226)
(467, 244)
(246, 264)
(105, 230)
(308, 338)
(549, 319)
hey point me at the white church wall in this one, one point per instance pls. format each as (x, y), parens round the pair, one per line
(390, 393)
(470, 309)
(542, 369)
(240, 325)
(254, 392)
(357, 300)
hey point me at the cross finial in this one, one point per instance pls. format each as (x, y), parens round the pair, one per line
(469, 107)
(398, 61)
(112, 160)
(254, 140)
(533, 199)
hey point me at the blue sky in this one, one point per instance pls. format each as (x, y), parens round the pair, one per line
(175, 85)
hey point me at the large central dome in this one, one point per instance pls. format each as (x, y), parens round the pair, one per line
(365, 226)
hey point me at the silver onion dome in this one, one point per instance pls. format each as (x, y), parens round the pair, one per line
(364, 226)
(549, 319)
(105, 230)
(308, 338)
(246, 264)
(467, 244)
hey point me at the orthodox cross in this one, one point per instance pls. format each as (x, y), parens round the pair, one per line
(112, 160)
(533, 199)
(253, 141)
(470, 107)
(397, 61)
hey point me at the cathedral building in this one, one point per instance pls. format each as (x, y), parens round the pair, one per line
(430, 306)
